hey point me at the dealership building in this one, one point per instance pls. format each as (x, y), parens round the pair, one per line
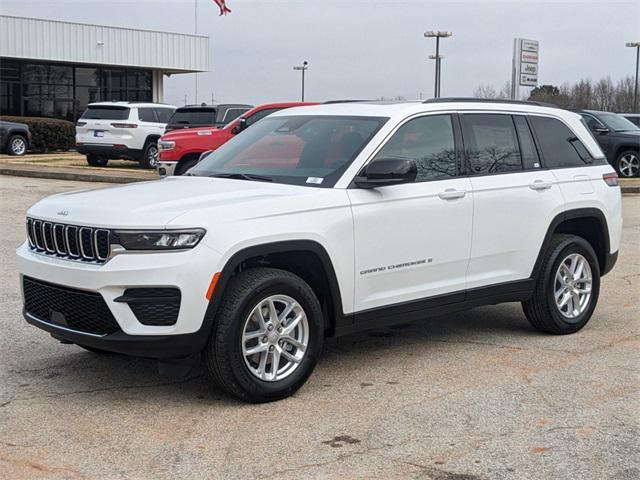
(54, 69)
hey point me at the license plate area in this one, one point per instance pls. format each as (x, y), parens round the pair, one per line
(98, 133)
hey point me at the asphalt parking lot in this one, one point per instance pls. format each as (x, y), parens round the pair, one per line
(477, 395)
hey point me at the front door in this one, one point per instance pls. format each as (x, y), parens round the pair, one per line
(412, 241)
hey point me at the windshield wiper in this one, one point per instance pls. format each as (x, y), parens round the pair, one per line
(242, 176)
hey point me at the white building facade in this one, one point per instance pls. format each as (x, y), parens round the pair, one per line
(54, 69)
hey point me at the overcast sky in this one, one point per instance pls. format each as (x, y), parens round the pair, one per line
(370, 48)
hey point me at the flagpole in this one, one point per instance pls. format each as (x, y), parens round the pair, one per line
(195, 30)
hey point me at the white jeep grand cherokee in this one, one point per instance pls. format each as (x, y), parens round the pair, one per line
(327, 220)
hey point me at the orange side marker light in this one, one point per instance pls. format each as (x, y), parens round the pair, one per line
(212, 285)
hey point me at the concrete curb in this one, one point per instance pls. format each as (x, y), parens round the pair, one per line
(71, 176)
(112, 178)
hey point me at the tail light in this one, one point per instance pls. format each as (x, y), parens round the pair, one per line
(80, 124)
(124, 125)
(610, 179)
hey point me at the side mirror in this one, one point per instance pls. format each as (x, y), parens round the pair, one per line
(240, 126)
(387, 171)
(600, 129)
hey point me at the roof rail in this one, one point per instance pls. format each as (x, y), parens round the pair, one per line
(489, 100)
(329, 102)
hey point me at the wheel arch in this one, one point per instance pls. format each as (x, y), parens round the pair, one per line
(588, 223)
(624, 147)
(307, 259)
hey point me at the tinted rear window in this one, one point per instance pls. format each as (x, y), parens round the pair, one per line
(560, 147)
(106, 113)
(204, 116)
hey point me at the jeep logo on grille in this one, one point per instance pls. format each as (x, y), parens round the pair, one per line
(63, 213)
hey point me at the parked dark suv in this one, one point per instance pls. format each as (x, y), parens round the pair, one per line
(618, 138)
(14, 137)
(192, 116)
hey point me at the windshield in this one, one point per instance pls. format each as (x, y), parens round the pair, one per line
(204, 116)
(616, 122)
(297, 150)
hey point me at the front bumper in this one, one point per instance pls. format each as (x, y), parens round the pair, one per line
(166, 169)
(190, 271)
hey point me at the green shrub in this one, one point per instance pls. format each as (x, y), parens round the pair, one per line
(48, 134)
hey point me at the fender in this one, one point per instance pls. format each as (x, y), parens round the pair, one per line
(270, 248)
(606, 263)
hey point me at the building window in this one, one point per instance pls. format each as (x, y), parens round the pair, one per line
(55, 90)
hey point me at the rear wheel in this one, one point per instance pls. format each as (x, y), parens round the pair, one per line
(17, 145)
(267, 336)
(96, 161)
(628, 164)
(149, 157)
(567, 288)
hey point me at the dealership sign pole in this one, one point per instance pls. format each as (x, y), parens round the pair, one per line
(524, 71)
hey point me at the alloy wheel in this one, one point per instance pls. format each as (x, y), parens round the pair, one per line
(152, 156)
(18, 146)
(572, 286)
(629, 165)
(275, 338)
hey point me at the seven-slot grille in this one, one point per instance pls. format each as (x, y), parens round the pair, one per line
(68, 241)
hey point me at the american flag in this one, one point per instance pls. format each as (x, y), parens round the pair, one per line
(223, 7)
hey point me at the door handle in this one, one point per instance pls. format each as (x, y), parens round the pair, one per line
(540, 185)
(452, 193)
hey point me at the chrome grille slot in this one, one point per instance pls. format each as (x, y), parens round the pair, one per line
(30, 237)
(88, 244)
(37, 231)
(59, 239)
(47, 235)
(101, 244)
(71, 234)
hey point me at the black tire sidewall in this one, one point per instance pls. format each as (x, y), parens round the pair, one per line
(182, 167)
(259, 389)
(583, 248)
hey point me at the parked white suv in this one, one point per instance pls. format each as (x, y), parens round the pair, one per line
(129, 130)
(328, 220)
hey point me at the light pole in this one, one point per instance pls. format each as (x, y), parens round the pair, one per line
(635, 45)
(439, 70)
(303, 68)
(437, 57)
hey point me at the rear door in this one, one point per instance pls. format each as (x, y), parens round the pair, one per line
(412, 241)
(515, 198)
(96, 125)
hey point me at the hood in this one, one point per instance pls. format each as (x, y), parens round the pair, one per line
(634, 134)
(183, 133)
(154, 204)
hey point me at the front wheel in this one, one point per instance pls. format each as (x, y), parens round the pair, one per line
(17, 145)
(149, 157)
(628, 164)
(567, 287)
(267, 336)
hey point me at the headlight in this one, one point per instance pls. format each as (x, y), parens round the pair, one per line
(158, 239)
(166, 145)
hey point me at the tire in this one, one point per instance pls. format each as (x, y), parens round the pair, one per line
(149, 158)
(185, 165)
(628, 164)
(17, 145)
(542, 310)
(224, 356)
(96, 161)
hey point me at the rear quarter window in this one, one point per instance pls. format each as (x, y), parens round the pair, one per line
(560, 146)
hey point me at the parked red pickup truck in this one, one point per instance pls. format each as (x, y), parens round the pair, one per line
(181, 149)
